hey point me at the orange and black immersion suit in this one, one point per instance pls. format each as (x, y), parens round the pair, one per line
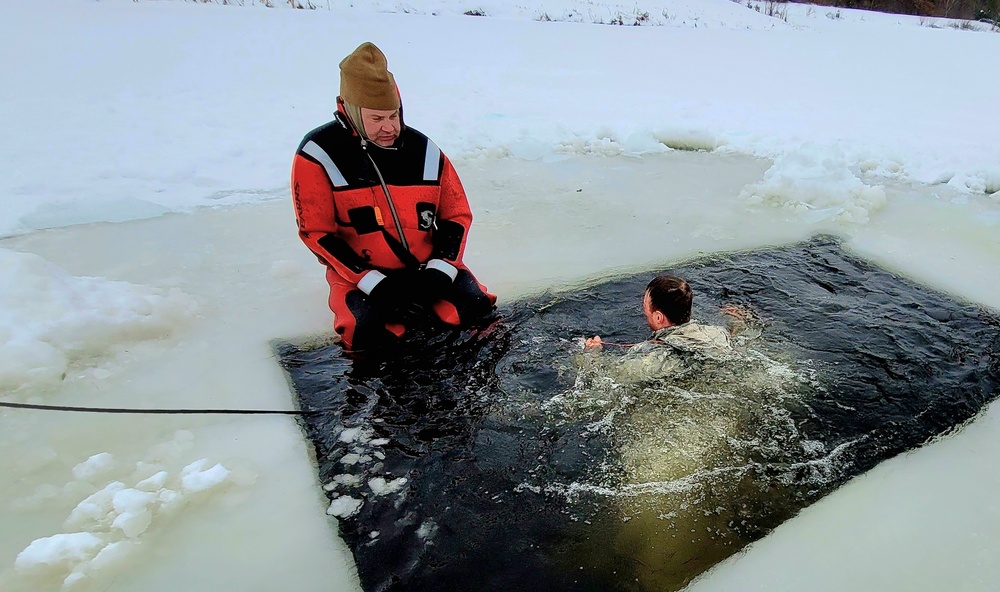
(369, 212)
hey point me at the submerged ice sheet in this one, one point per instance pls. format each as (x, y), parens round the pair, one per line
(50, 318)
(546, 472)
(108, 527)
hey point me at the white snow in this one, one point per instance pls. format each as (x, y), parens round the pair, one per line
(129, 116)
(165, 133)
(131, 506)
(819, 185)
(195, 477)
(95, 466)
(58, 549)
(114, 519)
(154, 483)
(96, 508)
(112, 555)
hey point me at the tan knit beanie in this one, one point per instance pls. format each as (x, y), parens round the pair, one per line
(365, 81)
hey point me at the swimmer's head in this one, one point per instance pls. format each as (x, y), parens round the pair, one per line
(667, 302)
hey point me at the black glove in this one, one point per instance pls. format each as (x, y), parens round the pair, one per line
(395, 299)
(431, 285)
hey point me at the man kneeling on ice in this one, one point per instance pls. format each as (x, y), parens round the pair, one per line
(384, 210)
(667, 306)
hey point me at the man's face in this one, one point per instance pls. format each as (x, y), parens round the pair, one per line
(381, 127)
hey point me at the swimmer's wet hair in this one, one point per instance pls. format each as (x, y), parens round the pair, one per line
(672, 296)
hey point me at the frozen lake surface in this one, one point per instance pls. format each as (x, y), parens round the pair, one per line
(539, 224)
(178, 120)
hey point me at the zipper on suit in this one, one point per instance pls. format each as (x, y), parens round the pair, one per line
(388, 197)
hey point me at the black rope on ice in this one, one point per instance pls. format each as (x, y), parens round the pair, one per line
(164, 411)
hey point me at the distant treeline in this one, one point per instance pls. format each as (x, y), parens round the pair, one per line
(960, 9)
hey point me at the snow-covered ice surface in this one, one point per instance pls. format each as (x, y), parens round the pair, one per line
(122, 118)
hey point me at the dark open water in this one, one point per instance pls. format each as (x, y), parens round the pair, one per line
(527, 467)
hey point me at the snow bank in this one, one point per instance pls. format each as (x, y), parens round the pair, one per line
(172, 131)
(670, 13)
(818, 184)
(50, 319)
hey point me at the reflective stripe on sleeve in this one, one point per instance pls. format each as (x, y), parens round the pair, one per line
(370, 280)
(443, 266)
(431, 161)
(336, 178)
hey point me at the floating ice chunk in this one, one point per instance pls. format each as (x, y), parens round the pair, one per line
(96, 509)
(345, 480)
(132, 524)
(344, 506)
(94, 466)
(131, 500)
(379, 442)
(427, 530)
(133, 516)
(153, 483)
(195, 477)
(58, 551)
(169, 499)
(379, 486)
(349, 435)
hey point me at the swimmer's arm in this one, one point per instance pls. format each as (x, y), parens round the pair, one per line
(593, 343)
